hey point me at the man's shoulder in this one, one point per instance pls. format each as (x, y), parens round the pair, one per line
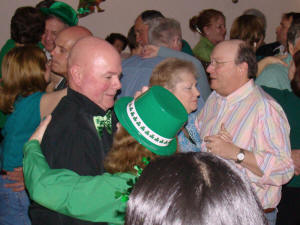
(276, 68)
(136, 73)
(137, 61)
(65, 107)
(273, 76)
(266, 103)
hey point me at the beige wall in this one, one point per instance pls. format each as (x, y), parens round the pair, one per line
(119, 15)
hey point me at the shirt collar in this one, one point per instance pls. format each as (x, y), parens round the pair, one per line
(86, 105)
(239, 94)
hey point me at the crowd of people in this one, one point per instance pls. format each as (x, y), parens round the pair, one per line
(165, 134)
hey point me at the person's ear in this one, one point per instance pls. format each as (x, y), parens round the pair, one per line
(206, 30)
(76, 75)
(243, 68)
(177, 43)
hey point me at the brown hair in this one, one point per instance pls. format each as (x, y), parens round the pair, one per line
(125, 153)
(23, 70)
(27, 25)
(248, 28)
(167, 72)
(246, 54)
(205, 17)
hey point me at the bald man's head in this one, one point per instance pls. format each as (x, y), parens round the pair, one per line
(94, 69)
(63, 45)
(233, 63)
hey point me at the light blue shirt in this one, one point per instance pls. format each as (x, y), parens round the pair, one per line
(276, 76)
(136, 73)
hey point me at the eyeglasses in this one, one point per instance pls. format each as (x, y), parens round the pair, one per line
(215, 63)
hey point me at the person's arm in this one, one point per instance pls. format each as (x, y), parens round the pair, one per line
(227, 150)
(296, 160)
(50, 100)
(221, 145)
(84, 197)
(262, 64)
(270, 162)
(17, 176)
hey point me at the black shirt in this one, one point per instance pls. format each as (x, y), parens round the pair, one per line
(71, 141)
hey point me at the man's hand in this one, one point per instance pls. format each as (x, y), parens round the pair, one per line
(296, 160)
(221, 144)
(218, 146)
(224, 134)
(150, 51)
(143, 90)
(16, 175)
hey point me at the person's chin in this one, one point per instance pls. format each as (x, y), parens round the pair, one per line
(55, 70)
(109, 104)
(194, 107)
(213, 83)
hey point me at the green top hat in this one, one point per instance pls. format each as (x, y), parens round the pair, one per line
(63, 11)
(153, 119)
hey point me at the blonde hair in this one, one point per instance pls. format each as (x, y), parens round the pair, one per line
(23, 70)
(167, 73)
(125, 153)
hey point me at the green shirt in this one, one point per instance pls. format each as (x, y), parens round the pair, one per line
(203, 49)
(186, 48)
(89, 198)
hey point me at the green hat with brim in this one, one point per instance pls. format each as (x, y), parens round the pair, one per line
(63, 11)
(153, 119)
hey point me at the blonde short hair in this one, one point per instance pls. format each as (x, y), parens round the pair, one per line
(167, 73)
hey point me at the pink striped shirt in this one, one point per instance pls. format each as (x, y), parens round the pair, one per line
(257, 123)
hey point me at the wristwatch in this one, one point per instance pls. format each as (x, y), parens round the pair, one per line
(240, 156)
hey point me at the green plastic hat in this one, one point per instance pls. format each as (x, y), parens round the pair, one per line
(63, 11)
(153, 119)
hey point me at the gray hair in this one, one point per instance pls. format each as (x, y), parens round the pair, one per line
(163, 30)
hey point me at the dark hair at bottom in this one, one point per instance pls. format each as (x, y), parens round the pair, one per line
(193, 188)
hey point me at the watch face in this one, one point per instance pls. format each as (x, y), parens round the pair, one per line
(241, 156)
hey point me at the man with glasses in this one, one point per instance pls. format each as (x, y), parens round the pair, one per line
(243, 124)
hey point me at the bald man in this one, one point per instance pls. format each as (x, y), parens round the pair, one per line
(63, 45)
(260, 145)
(72, 140)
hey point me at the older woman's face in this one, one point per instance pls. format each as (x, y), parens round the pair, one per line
(186, 91)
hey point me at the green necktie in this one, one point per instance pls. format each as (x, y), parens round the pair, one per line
(103, 121)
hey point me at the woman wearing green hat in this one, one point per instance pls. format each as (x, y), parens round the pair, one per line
(149, 128)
